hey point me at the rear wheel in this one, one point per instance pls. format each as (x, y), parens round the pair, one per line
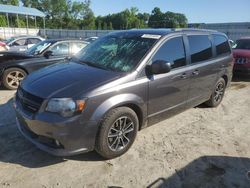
(117, 132)
(217, 94)
(12, 78)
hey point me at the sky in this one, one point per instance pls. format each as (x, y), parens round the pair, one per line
(197, 11)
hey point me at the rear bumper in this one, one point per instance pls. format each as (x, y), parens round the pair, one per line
(59, 139)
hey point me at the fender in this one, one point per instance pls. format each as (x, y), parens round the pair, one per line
(120, 100)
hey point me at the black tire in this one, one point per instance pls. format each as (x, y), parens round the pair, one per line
(110, 126)
(218, 93)
(12, 78)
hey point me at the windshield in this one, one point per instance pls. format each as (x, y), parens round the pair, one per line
(38, 48)
(117, 53)
(243, 44)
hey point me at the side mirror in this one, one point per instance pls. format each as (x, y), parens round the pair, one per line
(159, 67)
(47, 54)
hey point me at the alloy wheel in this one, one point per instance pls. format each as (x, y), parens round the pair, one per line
(219, 92)
(14, 78)
(120, 133)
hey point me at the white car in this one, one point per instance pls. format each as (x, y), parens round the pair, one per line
(22, 43)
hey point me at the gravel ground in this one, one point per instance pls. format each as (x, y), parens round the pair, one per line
(201, 147)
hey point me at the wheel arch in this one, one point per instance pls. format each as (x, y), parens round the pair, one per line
(16, 66)
(225, 77)
(131, 101)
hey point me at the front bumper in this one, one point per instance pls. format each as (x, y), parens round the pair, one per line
(241, 71)
(57, 138)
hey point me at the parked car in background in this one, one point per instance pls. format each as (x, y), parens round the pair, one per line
(14, 66)
(90, 39)
(22, 43)
(241, 53)
(232, 43)
(122, 83)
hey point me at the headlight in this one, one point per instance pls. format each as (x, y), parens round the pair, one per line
(66, 107)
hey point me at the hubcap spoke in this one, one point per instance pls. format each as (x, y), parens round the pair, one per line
(126, 138)
(117, 143)
(122, 141)
(113, 135)
(116, 139)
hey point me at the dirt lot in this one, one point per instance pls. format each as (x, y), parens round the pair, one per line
(201, 147)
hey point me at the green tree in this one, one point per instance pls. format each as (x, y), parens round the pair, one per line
(3, 22)
(99, 27)
(10, 2)
(105, 26)
(110, 27)
(169, 19)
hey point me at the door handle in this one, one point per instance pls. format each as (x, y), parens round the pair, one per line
(180, 76)
(183, 76)
(195, 73)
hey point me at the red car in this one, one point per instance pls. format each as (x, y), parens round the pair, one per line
(3, 46)
(241, 54)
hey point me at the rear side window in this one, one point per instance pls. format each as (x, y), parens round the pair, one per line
(20, 42)
(200, 48)
(172, 51)
(221, 44)
(33, 41)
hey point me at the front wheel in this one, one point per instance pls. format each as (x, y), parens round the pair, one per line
(217, 94)
(117, 132)
(12, 78)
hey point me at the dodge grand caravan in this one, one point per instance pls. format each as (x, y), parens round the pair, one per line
(119, 84)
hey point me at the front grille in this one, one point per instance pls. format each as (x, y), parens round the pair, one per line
(28, 101)
(242, 60)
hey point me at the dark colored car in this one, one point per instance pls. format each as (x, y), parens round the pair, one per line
(119, 84)
(15, 66)
(241, 54)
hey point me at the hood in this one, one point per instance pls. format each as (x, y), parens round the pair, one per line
(66, 80)
(6, 56)
(241, 53)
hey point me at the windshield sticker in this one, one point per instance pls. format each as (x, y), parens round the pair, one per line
(151, 36)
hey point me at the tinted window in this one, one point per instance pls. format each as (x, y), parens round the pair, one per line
(20, 42)
(200, 48)
(222, 45)
(61, 49)
(172, 51)
(33, 41)
(243, 44)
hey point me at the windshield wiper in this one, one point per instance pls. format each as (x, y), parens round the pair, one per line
(92, 64)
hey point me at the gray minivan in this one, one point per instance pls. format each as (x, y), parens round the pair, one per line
(119, 84)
